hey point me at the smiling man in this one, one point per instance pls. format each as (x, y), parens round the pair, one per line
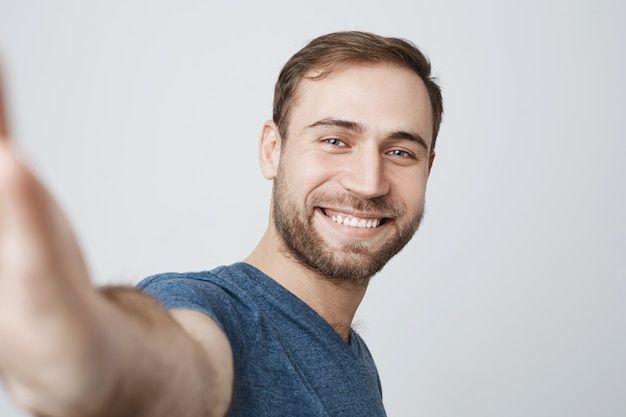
(349, 150)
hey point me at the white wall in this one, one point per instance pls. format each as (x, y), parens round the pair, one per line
(143, 118)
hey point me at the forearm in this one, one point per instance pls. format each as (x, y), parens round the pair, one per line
(69, 350)
(122, 356)
(159, 368)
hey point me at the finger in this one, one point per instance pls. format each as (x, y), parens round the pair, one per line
(4, 122)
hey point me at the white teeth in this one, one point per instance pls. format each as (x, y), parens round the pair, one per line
(355, 222)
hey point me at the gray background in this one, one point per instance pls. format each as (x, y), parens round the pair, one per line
(143, 117)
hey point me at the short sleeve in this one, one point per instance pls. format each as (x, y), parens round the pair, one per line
(207, 293)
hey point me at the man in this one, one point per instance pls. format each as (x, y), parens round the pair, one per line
(349, 150)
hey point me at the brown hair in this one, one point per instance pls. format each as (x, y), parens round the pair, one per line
(336, 51)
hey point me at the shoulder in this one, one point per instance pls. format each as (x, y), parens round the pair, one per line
(223, 294)
(186, 286)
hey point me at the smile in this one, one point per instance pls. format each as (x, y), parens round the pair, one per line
(356, 222)
(353, 221)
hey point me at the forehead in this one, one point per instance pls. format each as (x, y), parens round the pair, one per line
(381, 97)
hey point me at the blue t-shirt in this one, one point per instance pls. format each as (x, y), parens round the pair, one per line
(288, 360)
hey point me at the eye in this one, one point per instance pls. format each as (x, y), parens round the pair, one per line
(334, 142)
(399, 153)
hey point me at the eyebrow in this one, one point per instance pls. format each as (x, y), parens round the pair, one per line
(344, 124)
(357, 127)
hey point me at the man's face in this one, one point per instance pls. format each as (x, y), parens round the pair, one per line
(349, 189)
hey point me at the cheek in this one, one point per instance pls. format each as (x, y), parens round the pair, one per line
(410, 190)
(309, 172)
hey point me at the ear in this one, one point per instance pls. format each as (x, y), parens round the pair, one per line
(430, 161)
(269, 150)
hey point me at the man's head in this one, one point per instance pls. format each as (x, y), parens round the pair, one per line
(349, 181)
(340, 50)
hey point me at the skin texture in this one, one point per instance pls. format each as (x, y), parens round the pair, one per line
(358, 146)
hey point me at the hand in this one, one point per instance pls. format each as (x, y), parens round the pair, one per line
(69, 350)
(44, 290)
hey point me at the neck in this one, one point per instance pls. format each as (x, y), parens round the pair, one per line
(336, 302)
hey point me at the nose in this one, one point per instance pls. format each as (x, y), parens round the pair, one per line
(364, 174)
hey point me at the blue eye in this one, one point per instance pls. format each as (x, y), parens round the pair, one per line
(399, 152)
(335, 142)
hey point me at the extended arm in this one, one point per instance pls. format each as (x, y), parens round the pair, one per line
(68, 349)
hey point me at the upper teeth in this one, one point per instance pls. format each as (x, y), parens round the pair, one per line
(356, 222)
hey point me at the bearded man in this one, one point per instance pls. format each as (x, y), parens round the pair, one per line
(349, 150)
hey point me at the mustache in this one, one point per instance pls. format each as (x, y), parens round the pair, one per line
(382, 205)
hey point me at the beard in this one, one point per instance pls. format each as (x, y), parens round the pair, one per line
(354, 261)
